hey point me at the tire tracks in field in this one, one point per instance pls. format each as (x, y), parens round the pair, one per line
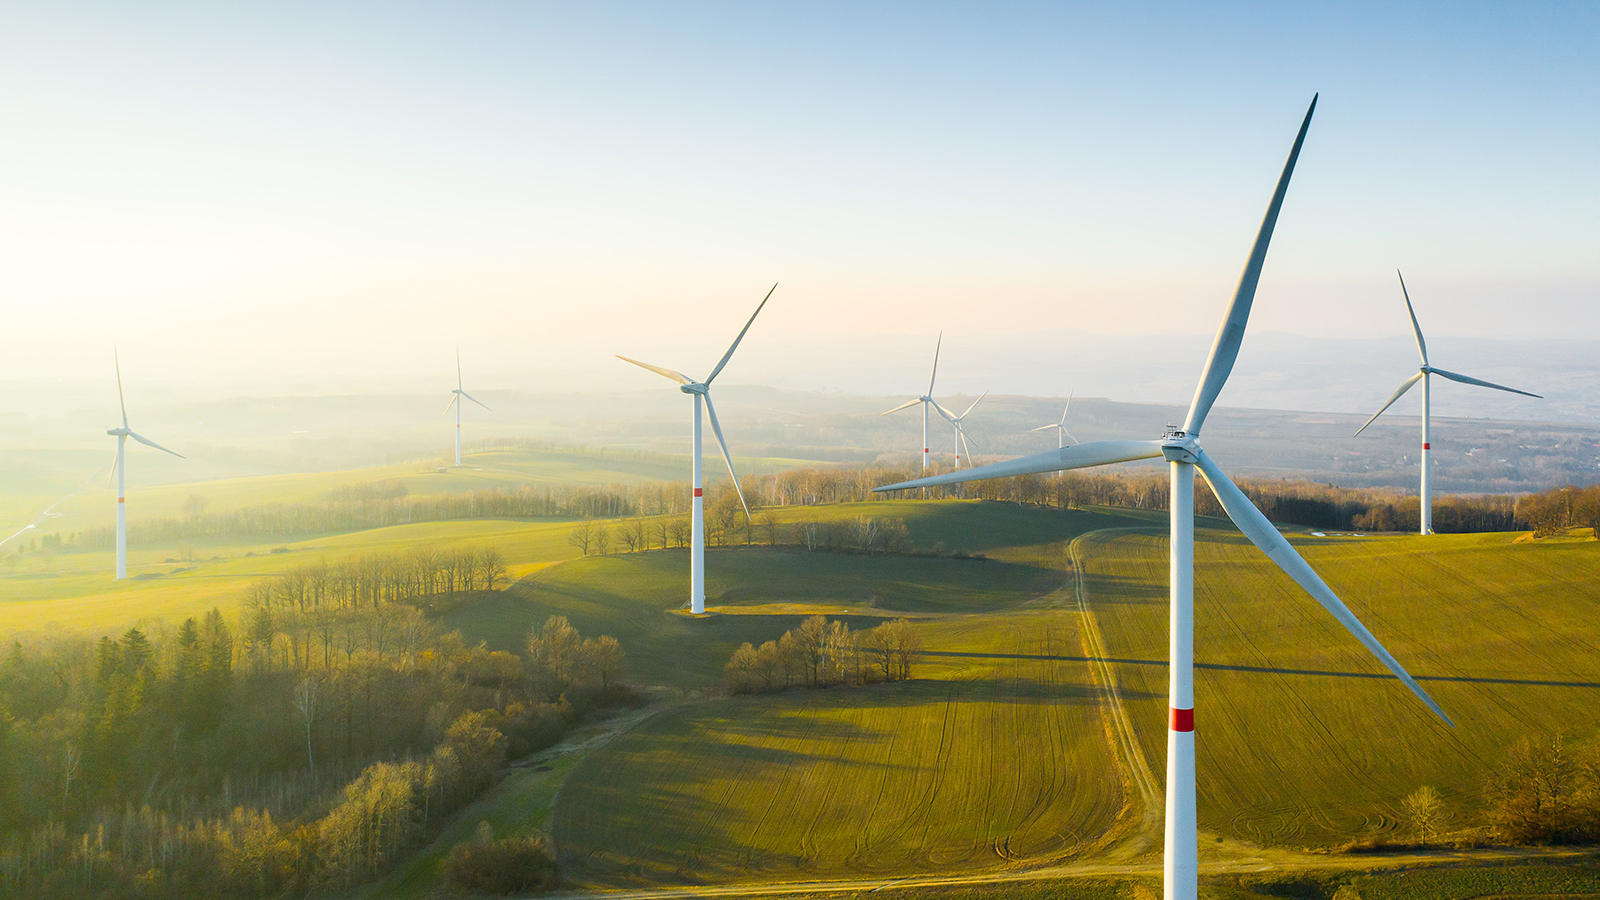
(1135, 766)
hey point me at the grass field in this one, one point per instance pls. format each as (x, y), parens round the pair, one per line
(1301, 737)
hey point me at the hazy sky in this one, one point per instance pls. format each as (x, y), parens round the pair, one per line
(232, 190)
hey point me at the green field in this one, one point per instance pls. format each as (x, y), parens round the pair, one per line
(1301, 738)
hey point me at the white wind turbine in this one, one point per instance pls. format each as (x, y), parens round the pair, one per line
(1422, 375)
(925, 400)
(701, 390)
(1061, 427)
(1182, 450)
(122, 434)
(961, 431)
(456, 402)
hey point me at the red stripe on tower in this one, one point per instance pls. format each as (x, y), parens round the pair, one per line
(1181, 720)
(697, 492)
(122, 499)
(1426, 446)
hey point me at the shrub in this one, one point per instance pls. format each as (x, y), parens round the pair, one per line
(513, 865)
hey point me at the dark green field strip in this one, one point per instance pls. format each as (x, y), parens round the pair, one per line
(1001, 762)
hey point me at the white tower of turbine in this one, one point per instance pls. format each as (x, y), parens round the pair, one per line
(701, 391)
(456, 402)
(122, 434)
(1181, 448)
(1424, 374)
(1060, 427)
(926, 400)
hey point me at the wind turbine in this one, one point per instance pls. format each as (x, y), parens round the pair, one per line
(1061, 427)
(701, 390)
(1182, 451)
(925, 400)
(122, 434)
(1423, 375)
(961, 431)
(456, 402)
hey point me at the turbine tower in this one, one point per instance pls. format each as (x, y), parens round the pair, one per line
(961, 431)
(122, 434)
(1061, 427)
(925, 400)
(1423, 375)
(701, 391)
(1182, 451)
(456, 402)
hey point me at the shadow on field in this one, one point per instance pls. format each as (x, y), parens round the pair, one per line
(1123, 590)
(1264, 670)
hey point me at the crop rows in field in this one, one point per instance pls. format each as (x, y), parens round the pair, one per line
(999, 763)
(1302, 738)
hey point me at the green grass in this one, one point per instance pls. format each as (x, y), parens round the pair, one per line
(1324, 748)
(989, 765)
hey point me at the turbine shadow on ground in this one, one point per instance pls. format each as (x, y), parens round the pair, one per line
(1265, 670)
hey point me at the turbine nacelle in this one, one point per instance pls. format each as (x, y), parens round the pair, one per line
(695, 387)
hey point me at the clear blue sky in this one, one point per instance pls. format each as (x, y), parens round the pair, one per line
(324, 186)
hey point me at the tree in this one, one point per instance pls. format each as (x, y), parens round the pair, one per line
(769, 526)
(604, 657)
(741, 669)
(194, 506)
(810, 639)
(1425, 810)
(581, 536)
(554, 650)
(602, 540)
(305, 701)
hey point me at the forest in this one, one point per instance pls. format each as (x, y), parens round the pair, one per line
(299, 748)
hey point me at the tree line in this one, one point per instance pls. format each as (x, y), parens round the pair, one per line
(384, 504)
(820, 653)
(211, 759)
(1554, 511)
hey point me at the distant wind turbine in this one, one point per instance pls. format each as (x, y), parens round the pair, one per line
(1061, 427)
(456, 402)
(122, 434)
(925, 400)
(1181, 448)
(961, 431)
(1422, 375)
(701, 390)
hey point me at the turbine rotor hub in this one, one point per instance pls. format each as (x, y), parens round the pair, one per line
(1179, 446)
(694, 388)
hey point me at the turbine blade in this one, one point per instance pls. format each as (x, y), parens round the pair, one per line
(1416, 329)
(1080, 456)
(1225, 349)
(454, 396)
(906, 405)
(459, 385)
(121, 401)
(1405, 386)
(112, 475)
(962, 433)
(1069, 436)
(716, 429)
(1480, 383)
(679, 377)
(729, 354)
(937, 344)
(1066, 408)
(1277, 548)
(149, 443)
(944, 412)
(1045, 427)
(975, 403)
(476, 400)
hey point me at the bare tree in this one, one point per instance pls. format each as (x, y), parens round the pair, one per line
(769, 525)
(602, 540)
(582, 536)
(305, 700)
(1425, 809)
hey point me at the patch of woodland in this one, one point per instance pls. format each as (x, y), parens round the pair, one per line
(297, 750)
(1553, 512)
(819, 653)
(516, 865)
